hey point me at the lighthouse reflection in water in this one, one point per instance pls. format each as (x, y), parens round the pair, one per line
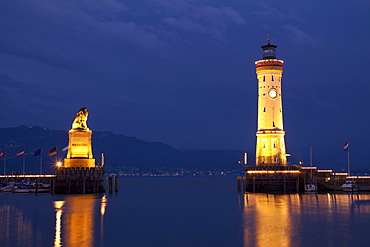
(184, 211)
(299, 219)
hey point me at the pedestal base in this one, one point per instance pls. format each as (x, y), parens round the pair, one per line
(78, 180)
(79, 163)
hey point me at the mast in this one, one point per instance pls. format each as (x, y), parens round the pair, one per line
(311, 164)
(40, 161)
(349, 164)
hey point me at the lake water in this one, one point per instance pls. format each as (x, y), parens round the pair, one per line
(184, 211)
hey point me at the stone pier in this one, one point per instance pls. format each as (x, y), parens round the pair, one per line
(78, 180)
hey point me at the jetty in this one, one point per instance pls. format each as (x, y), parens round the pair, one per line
(46, 179)
(294, 178)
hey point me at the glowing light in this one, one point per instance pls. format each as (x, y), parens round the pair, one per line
(264, 171)
(308, 168)
(269, 61)
(27, 176)
(324, 170)
(59, 163)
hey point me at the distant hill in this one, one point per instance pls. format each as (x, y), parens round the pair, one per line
(120, 152)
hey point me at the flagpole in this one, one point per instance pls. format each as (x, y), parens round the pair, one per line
(311, 163)
(40, 161)
(24, 165)
(4, 166)
(349, 171)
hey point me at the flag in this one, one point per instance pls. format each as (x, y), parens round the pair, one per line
(20, 153)
(37, 152)
(346, 146)
(2, 153)
(53, 151)
(65, 149)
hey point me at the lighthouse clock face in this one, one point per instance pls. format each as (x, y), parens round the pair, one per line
(272, 93)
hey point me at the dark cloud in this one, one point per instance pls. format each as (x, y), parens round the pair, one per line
(182, 71)
(299, 36)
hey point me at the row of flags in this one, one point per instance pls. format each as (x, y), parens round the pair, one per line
(36, 153)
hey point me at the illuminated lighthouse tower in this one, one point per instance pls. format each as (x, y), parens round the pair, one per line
(270, 146)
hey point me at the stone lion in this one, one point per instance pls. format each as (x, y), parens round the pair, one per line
(80, 120)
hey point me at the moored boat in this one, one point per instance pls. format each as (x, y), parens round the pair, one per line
(310, 188)
(22, 188)
(349, 186)
(7, 188)
(40, 187)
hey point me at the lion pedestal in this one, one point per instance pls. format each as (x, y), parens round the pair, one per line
(79, 173)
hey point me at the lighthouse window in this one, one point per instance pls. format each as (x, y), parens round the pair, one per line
(263, 78)
(264, 109)
(272, 78)
(273, 124)
(274, 145)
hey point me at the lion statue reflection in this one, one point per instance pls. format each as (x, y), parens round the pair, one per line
(81, 119)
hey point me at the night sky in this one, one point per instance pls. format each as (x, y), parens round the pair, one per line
(182, 72)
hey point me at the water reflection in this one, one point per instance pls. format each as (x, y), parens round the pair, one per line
(76, 221)
(295, 220)
(58, 223)
(15, 228)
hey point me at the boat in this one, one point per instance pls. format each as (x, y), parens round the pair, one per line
(349, 186)
(7, 188)
(30, 188)
(22, 188)
(40, 187)
(310, 187)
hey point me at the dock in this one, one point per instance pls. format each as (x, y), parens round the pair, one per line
(46, 178)
(294, 178)
(76, 180)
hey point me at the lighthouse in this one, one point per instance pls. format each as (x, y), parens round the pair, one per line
(270, 144)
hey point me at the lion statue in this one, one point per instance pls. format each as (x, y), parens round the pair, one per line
(80, 120)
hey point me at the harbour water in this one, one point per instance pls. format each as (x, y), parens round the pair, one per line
(184, 211)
